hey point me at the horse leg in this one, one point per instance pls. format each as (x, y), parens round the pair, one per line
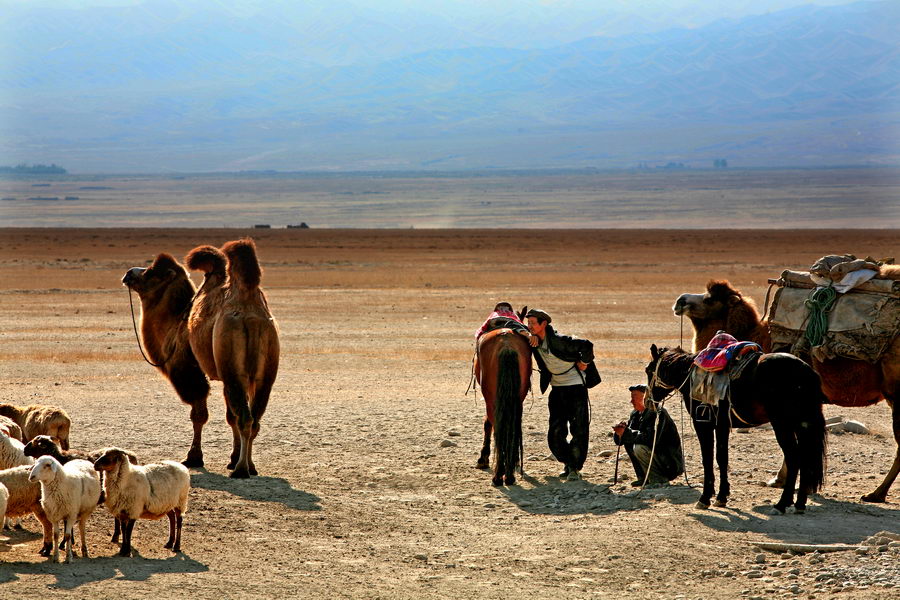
(788, 442)
(485, 456)
(707, 442)
(193, 388)
(723, 429)
(880, 493)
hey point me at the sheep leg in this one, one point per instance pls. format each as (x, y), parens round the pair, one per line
(171, 542)
(55, 556)
(47, 526)
(81, 523)
(68, 529)
(116, 529)
(178, 522)
(127, 527)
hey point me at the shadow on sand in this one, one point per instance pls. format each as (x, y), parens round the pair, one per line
(81, 571)
(259, 489)
(826, 521)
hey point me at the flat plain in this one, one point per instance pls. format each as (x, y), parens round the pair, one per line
(357, 497)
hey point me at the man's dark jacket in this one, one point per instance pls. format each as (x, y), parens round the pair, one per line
(640, 429)
(569, 349)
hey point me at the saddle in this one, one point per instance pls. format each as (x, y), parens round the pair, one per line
(504, 323)
(722, 361)
(721, 351)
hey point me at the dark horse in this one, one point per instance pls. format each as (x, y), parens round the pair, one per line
(776, 388)
(503, 370)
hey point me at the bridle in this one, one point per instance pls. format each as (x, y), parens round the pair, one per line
(138, 337)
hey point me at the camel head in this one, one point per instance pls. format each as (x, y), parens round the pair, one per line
(713, 305)
(153, 281)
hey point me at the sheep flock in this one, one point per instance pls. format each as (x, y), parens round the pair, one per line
(41, 476)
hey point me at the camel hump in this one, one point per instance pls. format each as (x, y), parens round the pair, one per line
(207, 259)
(243, 266)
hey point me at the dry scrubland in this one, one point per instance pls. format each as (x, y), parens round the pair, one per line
(356, 497)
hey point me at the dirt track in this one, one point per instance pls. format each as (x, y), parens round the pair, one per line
(357, 498)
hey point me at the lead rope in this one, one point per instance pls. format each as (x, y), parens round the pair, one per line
(136, 336)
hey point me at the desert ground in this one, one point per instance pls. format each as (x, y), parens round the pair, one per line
(367, 485)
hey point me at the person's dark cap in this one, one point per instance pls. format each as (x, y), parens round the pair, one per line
(640, 387)
(539, 315)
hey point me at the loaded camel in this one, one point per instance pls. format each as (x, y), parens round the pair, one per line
(223, 331)
(845, 382)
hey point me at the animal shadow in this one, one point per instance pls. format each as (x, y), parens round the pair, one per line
(259, 489)
(95, 569)
(826, 521)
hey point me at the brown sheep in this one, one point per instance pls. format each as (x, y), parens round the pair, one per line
(10, 428)
(38, 419)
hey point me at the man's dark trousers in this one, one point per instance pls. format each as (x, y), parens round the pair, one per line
(568, 406)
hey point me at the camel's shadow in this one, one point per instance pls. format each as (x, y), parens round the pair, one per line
(550, 496)
(259, 489)
(81, 571)
(855, 521)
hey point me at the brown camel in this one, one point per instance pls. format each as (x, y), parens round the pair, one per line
(846, 382)
(223, 331)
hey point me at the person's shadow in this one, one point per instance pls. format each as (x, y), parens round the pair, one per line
(550, 496)
(259, 489)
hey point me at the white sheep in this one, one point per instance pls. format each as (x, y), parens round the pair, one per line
(12, 453)
(69, 493)
(4, 499)
(144, 492)
(10, 428)
(24, 499)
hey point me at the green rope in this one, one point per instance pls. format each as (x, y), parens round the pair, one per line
(819, 303)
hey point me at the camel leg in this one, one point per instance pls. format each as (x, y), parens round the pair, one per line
(258, 409)
(242, 427)
(193, 389)
(880, 493)
(484, 459)
(235, 438)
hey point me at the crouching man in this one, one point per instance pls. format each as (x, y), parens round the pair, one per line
(637, 437)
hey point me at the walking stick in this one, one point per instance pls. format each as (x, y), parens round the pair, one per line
(616, 476)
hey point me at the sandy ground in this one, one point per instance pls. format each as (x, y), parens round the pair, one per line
(357, 497)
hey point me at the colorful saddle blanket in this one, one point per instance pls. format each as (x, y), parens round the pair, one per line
(722, 349)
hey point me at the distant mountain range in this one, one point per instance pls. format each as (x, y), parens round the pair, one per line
(127, 90)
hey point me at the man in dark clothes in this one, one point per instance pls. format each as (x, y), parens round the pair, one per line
(566, 363)
(637, 437)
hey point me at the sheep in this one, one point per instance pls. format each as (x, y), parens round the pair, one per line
(25, 498)
(45, 445)
(38, 419)
(10, 428)
(144, 492)
(4, 500)
(69, 493)
(12, 453)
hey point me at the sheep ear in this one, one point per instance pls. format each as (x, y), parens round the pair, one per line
(654, 351)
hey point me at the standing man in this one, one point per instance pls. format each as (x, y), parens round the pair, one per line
(645, 423)
(566, 363)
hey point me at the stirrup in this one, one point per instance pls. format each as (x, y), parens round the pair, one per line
(703, 413)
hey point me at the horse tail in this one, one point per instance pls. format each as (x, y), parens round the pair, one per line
(244, 271)
(508, 413)
(812, 437)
